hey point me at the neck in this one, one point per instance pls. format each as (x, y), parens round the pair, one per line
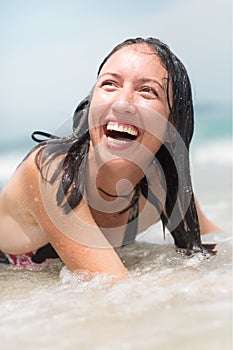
(108, 189)
(110, 184)
(116, 195)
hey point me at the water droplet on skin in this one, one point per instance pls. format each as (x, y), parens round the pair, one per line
(36, 199)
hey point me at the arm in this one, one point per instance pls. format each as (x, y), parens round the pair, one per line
(30, 218)
(78, 240)
(206, 225)
(18, 231)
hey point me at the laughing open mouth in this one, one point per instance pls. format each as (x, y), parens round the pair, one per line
(120, 133)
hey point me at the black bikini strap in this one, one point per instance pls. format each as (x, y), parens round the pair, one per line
(41, 133)
(132, 226)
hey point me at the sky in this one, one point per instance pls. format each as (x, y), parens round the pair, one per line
(51, 50)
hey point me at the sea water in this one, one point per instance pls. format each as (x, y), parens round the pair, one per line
(167, 303)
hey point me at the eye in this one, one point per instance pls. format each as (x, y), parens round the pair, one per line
(149, 91)
(108, 85)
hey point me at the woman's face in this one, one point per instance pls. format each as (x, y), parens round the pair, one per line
(129, 110)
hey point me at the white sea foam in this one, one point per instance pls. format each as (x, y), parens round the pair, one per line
(217, 152)
(149, 310)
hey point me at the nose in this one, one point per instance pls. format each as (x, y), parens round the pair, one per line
(124, 102)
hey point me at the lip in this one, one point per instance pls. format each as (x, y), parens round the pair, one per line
(124, 144)
(126, 121)
(115, 146)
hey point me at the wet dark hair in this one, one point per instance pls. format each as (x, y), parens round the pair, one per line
(179, 214)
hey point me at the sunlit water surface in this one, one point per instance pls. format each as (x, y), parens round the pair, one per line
(168, 302)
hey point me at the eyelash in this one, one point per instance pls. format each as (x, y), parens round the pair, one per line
(151, 90)
(108, 83)
(113, 84)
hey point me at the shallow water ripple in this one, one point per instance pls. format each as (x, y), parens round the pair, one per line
(167, 301)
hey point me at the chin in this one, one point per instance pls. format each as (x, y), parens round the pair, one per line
(131, 167)
(123, 147)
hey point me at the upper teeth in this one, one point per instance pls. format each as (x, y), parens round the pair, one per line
(122, 128)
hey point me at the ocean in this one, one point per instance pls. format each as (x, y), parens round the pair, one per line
(168, 302)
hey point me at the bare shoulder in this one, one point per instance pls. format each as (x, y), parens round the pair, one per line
(18, 193)
(19, 229)
(27, 191)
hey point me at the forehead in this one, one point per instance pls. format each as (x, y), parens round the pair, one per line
(136, 58)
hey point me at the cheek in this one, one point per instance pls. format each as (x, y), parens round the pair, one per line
(100, 97)
(94, 133)
(95, 122)
(95, 115)
(152, 143)
(99, 108)
(155, 123)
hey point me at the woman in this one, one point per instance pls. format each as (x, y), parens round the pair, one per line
(125, 166)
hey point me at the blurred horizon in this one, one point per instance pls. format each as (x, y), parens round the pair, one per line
(50, 52)
(211, 123)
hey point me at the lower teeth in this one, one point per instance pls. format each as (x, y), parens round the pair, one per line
(117, 141)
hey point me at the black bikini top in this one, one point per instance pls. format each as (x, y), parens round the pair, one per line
(132, 225)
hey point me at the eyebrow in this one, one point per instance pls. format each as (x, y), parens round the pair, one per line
(143, 80)
(150, 80)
